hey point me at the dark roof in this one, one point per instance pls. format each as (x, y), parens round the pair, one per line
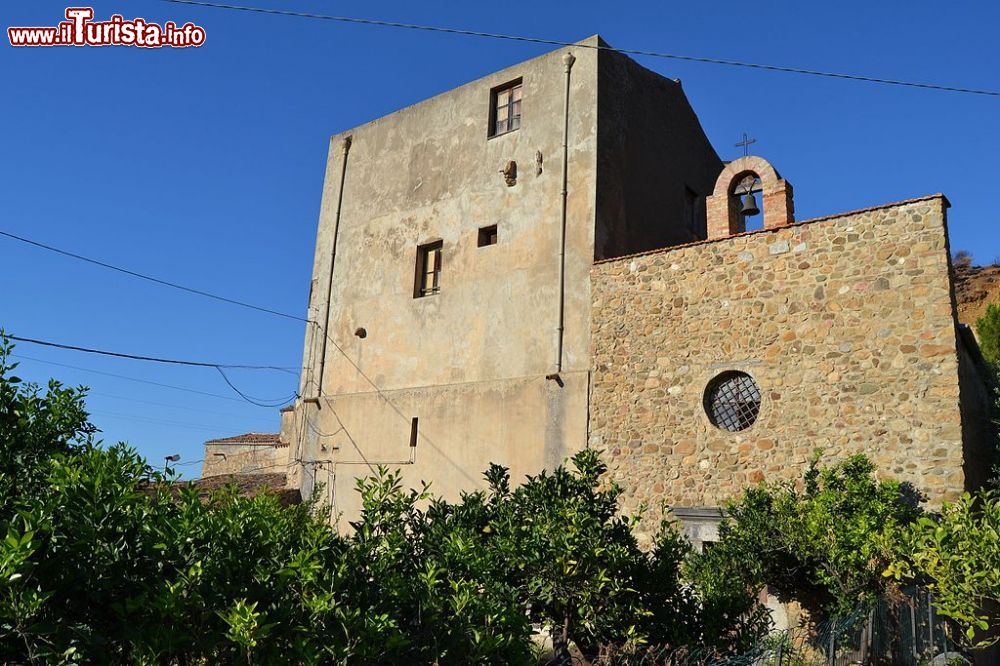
(250, 438)
(251, 485)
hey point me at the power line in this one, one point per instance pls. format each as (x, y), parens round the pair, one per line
(146, 419)
(260, 402)
(131, 379)
(151, 359)
(164, 404)
(366, 377)
(555, 42)
(388, 401)
(276, 402)
(165, 283)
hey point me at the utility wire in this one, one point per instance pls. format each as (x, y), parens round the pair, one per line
(150, 278)
(361, 372)
(152, 359)
(131, 379)
(146, 419)
(277, 402)
(101, 394)
(555, 42)
(260, 402)
(387, 400)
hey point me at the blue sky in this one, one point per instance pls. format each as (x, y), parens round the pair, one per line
(204, 166)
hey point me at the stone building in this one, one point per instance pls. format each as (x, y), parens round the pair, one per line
(249, 453)
(554, 257)
(836, 334)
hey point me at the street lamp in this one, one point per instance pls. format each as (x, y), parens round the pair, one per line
(169, 459)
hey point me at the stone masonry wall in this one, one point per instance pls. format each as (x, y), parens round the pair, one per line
(244, 459)
(846, 323)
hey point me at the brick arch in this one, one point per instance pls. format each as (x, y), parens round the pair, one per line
(724, 217)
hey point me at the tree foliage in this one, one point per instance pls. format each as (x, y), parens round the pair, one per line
(988, 330)
(825, 546)
(957, 555)
(106, 560)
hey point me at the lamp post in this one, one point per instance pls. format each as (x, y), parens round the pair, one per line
(169, 459)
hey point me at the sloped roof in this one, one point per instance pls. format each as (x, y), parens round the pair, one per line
(250, 439)
(251, 485)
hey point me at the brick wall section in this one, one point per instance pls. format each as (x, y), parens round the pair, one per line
(846, 323)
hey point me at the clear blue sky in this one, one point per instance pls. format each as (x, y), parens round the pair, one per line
(204, 166)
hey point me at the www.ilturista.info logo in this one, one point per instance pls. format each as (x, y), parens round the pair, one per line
(80, 30)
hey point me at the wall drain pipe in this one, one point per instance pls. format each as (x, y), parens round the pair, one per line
(568, 60)
(346, 147)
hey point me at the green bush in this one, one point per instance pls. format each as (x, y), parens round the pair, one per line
(107, 560)
(825, 546)
(957, 555)
(988, 331)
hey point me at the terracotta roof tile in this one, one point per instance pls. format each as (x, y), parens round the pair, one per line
(257, 438)
(251, 485)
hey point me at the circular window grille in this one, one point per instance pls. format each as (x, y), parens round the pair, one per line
(732, 401)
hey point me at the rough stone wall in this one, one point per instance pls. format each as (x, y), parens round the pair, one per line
(243, 459)
(846, 323)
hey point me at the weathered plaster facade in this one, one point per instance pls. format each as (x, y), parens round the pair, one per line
(846, 323)
(471, 362)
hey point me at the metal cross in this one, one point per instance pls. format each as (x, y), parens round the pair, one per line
(745, 144)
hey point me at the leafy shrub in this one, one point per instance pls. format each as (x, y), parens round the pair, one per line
(826, 546)
(106, 560)
(957, 555)
(988, 331)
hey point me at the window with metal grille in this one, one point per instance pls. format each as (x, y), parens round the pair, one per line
(428, 270)
(505, 108)
(732, 401)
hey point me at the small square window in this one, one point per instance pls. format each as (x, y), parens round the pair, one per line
(505, 108)
(488, 236)
(428, 279)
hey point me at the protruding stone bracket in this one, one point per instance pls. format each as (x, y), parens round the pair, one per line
(723, 207)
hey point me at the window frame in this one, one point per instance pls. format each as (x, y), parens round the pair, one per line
(424, 252)
(488, 236)
(733, 416)
(495, 92)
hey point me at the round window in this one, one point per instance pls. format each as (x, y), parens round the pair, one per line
(732, 401)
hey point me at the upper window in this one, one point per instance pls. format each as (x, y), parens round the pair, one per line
(505, 111)
(732, 401)
(428, 270)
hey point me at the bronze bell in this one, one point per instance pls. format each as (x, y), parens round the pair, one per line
(749, 205)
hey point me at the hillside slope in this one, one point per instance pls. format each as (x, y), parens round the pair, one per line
(975, 288)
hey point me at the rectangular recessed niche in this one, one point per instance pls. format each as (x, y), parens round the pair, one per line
(488, 236)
